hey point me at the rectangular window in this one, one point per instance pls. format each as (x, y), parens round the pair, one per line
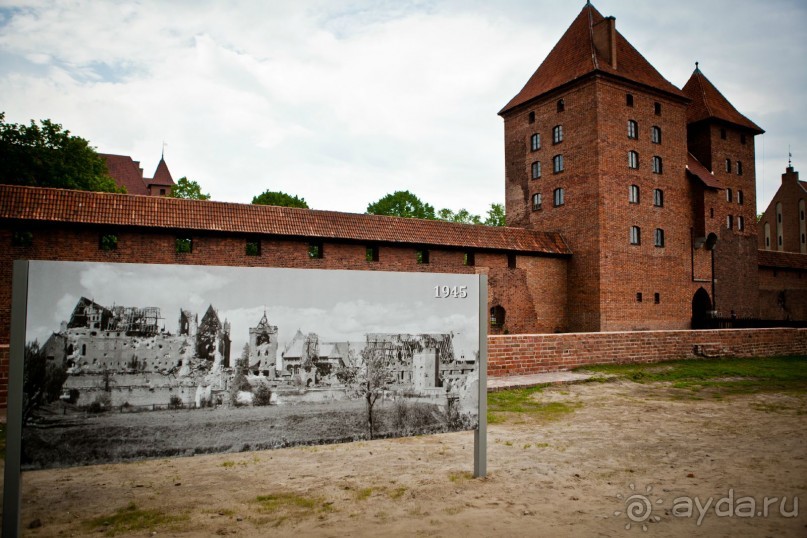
(633, 194)
(633, 129)
(657, 298)
(655, 135)
(108, 242)
(536, 201)
(253, 247)
(728, 166)
(557, 134)
(658, 197)
(511, 260)
(633, 160)
(531, 117)
(559, 197)
(638, 296)
(422, 256)
(371, 253)
(535, 142)
(740, 223)
(635, 235)
(740, 198)
(536, 170)
(557, 164)
(469, 259)
(729, 222)
(184, 245)
(728, 195)
(22, 238)
(659, 237)
(315, 250)
(628, 99)
(657, 165)
(657, 108)
(739, 168)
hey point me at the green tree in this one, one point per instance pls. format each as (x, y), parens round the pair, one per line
(402, 204)
(279, 198)
(462, 216)
(46, 155)
(189, 190)
(495, 215)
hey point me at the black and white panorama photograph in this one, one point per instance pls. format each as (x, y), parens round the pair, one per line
(128, 361)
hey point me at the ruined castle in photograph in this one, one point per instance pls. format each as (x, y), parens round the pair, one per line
(630, 206)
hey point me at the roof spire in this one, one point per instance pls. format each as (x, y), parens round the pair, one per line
(162, 154)
(697, 69)
(789, 157)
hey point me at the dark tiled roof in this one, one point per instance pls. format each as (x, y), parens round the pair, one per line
(709, 103)
(58, 205)
(700, 172)
(126, 173)
(782, 260)
(575, 56)
(161, 176)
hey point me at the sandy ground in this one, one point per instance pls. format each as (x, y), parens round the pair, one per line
(566, 477)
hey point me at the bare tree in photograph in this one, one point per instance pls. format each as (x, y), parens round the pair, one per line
(369, 379)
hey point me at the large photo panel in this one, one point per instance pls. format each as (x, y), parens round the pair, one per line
(131, 361)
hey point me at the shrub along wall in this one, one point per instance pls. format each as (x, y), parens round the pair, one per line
(524, 354)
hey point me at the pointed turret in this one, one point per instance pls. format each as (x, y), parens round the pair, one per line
(709, 104)
(162, 176)
(591, 45)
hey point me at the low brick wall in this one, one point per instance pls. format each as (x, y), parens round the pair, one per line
(522, 354)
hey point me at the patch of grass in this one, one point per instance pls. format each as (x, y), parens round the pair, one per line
(291, 507)
(228, 464)
(364, 494)
(460, 476)
(131, 518)
(397, 493)
(508, 403)
(719, 377)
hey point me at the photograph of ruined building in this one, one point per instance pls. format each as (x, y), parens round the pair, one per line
(215, 359)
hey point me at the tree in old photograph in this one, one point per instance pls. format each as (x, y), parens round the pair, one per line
(42, 380)
(369, 379)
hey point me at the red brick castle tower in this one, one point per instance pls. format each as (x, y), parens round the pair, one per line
(597, 147)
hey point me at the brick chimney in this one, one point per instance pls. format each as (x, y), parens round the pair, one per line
(604, 36)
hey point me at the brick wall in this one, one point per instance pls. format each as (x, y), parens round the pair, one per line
(538, 353)
(3, 375)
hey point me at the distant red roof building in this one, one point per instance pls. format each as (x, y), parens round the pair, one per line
(127, 173)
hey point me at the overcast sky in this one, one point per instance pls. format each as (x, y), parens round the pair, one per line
(337, 305)
(344, 101)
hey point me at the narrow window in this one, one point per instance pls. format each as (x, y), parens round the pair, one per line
(184, 245)
(253, 247)
(535, 142)
(557, 134)
(659, 237)
(629, 99)
(531, 117)
(559, 197)
(723, 134)
(740, 223)
(469, 259)
(657, 298)
(561, 105)
(658, 197)
(638, 296)
(739, 168)
(657, 108)
(422, 256)
(742, 139)
(108, 242)
(711, 212)
(635, 235)
(729, 222)
(633, 194)
(633, 129)
(536, 201)
(511, 260)
(535, 170)
(657, 165)
(655, 135)
(740, 198)
(371, 253)
(162, 192)
(633, 160)
(728, 195)
(767, 228)
(728, 166)
(497, 316)
(557, 164)
(22, 238)
(315, 250)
